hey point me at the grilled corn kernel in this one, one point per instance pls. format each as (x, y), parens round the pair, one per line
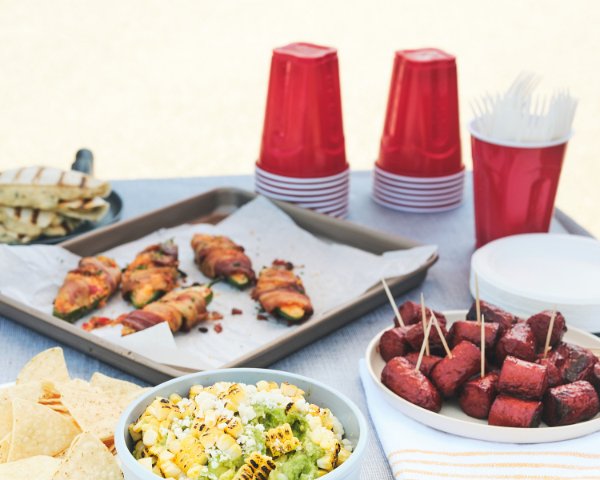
(195, 390)
(228, 445)
(343, 456)
(257, 467)
(208, 438)
(291, 390)
(169, 469)
(329, 460)
(280, 440)
(146, 463)
(234, 427)
(264, 386)
(150, 437)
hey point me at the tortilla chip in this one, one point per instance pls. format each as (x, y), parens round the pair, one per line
(91, 408)
(31, 391)
(4, 444)
(40, 467)
(38, 430)
(122, 392)
(47, 365)
(89, 459)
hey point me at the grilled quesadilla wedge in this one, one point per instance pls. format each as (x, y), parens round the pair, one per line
(219, 257)
(92, 209)
(34, 223)
(87, 287)
(281, 293)
(153, 272)
(8, 236)
(46, 187)
(181, 309)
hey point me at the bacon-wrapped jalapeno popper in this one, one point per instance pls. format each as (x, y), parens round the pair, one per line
(152, 273)
(181, 309)
(281, 293)
(220, 257)
(87, 287)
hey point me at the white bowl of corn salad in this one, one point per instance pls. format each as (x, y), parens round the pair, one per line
(241, 424)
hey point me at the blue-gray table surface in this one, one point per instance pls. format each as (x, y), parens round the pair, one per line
(333, 359)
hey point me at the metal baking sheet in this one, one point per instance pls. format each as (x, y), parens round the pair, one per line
(211, 207)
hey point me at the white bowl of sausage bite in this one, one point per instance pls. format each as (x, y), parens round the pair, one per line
(521, 388)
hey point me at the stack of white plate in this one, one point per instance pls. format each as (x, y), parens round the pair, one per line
(418, 194)
(525, 274)
(327, 195)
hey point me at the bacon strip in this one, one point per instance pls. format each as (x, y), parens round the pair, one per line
(153, 272)
(219, 256)
(181, 309)
(278, 287)
(87, 287)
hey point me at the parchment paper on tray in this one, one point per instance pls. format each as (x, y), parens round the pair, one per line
(333, 274)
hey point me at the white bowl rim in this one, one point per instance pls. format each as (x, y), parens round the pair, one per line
(127, 458)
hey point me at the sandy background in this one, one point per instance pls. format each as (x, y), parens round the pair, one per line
(178, 88)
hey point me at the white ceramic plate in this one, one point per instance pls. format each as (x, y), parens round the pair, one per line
(564, 269)
(451, 418)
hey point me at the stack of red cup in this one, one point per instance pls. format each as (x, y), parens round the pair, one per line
(302, 157)
(419, 168)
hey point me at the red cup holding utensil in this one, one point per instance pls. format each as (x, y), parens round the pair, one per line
(421, 133)
(303, 134)
(514, 185)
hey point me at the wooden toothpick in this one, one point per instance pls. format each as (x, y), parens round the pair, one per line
(549, 334)
(424, 321)
(425, 340)
(477, 302)
(439, 330)
(482, 346)
(392, 302)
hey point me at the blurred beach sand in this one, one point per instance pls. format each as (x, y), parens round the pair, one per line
(160, 89)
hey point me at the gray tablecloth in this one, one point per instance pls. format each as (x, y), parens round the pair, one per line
(333, 359)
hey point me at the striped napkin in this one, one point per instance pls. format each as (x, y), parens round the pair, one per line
(418, 452)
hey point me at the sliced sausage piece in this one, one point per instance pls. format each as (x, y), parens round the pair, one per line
(415, 336)
(393, 343)
(519, 342)
(596, 377)
(523, 379)
(510, 411)
(554, 375)
(492, 313)
(577, 362)
(427, 363)
(540, 322)
(477, 395)
(471, 331)
(400, 376)
(571, 403)
(450, 373)
(411, 313)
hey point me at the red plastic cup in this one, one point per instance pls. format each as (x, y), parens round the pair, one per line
(303, 135)
(514, 186)
(421, 133)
